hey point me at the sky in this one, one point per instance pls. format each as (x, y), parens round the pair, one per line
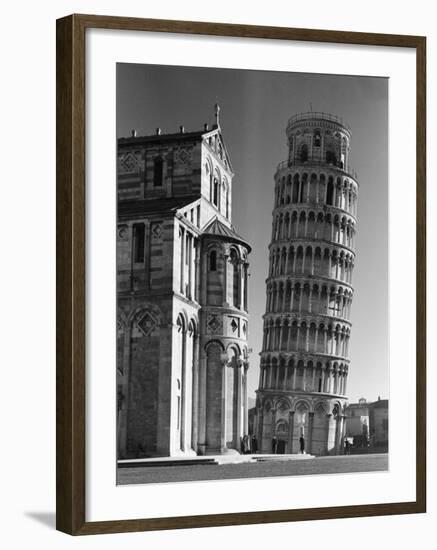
(254, 109)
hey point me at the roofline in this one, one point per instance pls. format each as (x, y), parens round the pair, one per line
(228, 238)
(161, 137)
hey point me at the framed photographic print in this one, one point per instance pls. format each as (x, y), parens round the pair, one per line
(240, 274)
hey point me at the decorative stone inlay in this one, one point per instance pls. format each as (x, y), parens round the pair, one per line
(157, 230)
(214, 324)
(128, 163)
(234, 325)
(183, 155)
(147, 323)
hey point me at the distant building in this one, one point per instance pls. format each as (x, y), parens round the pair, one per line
(369, 420)
(378, 423)
(357, 419)
(182, 273)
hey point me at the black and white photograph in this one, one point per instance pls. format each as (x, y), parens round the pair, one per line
(252, 274)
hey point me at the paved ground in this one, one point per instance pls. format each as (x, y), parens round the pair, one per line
(314, 466)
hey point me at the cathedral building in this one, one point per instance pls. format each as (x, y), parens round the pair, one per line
(304, 359)
(182, 319)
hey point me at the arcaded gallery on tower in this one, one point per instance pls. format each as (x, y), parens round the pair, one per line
(304, 359)
(182, 273)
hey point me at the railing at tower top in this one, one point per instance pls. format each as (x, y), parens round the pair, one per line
(309, 163)
(311, 115)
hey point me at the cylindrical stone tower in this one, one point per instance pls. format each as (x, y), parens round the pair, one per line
(304, 359)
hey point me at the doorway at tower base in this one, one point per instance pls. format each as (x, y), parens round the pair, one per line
(326, 446)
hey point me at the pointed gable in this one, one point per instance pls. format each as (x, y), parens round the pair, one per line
(214, 139)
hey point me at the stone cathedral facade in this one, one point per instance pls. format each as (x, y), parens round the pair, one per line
(304, 358)
(182, 274)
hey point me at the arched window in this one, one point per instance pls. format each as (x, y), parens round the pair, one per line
(215, 192)
(226, 197)
(330, 192)
(157, 171)
(330, 157)
(213, 393)
(304, 153)
(213, 261)
(181, 347)
(317, 139)
(295, 193)
(235, 279)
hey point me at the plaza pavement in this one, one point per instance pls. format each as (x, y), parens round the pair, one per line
(201, 472)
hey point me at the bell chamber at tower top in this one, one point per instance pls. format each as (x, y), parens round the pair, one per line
(318, 138)
(317, 170)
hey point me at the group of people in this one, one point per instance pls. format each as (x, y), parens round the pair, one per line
(278, 445)
(249, 445)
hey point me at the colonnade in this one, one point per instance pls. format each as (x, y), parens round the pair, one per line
(312, 260)
(310, 224)
(223, 398)
(328, 377)
(302, 187)
(303, 336)
(308, 297)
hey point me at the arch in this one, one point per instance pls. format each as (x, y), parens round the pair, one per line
(331, 157)
(226, 197)
(308, 260)
(283, 260)
(304, 153)
(330, 191)
(299, 259)
(234, 258)
(281, 219)
(214, 350)
(318, 261)
(182, 364)
(214, 276)
(290, 259)
(322, 188)
(214, 342)
(288, 189)
(281, 427)
(311, 229)
(301, 225)
(286, 229)
(294, 224)
(304, 188)
(293, 338)
(302, 408)
(295, 192)
(215, 188)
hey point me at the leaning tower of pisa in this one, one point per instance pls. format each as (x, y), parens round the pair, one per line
(304, 358)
